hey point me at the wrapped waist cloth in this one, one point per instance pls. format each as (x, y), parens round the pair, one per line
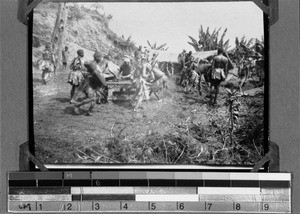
(218, 73)
(46, 65)
(75, 78)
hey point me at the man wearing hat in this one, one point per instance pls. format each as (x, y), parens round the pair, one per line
(76, 77)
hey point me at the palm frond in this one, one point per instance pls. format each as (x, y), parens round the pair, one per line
(196, 47)
(161, 46)
(193, 40)
(226, 45)
(249, 42)
(149, 44)
(237, 42)
(128, 39)
(223, 35)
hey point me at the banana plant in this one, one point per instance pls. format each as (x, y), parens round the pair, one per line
(209, 41)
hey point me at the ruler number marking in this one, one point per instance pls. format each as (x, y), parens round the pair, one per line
(125, 206)
(40, 206)
(152, 206)
(266, 207)
(238, 206)
(68, 206)
(96, 206)
(180, 206)
(208, 206)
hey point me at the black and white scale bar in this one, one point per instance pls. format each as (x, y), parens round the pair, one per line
(171, 179)
(112, 197)
(38, 190)
(151, 183)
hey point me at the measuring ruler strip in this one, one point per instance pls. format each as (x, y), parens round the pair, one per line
(155, 191)
(87, 206)
(268, 180)
(136, 175)
(151, 183)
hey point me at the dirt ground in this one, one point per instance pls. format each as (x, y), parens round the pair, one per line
(59, 133)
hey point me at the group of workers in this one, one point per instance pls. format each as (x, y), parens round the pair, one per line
(214, 70)
(90, 78)
(142, 70)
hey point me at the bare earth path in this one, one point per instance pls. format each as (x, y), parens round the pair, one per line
(58, 132)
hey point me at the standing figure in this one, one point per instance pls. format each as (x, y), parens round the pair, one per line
(95, 84)
(159, 82)
(76, 77)
(218, 74)
(140, 81)
(192, 75)
(47, 64)
(181, 59)
(204, 69)
(243, 73)
(65, 56)
(185, 69)
(138, 54)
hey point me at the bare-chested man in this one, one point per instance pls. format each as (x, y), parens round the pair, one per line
(220, 69)
(95, 83)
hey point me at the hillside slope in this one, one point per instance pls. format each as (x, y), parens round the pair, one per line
(86, 29)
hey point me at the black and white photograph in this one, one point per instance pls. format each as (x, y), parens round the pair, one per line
(174, 83)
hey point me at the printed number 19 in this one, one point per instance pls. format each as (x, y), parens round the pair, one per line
(266, 207)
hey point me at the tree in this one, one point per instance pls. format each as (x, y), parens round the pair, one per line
(58, 35)
(259, 46)
(245, 49)
(209, 41)
(128, 44)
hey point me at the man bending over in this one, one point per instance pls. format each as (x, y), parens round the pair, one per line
(95, 84)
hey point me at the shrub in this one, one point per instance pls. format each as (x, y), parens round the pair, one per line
(75, 13)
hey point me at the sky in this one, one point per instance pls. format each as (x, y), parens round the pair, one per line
(172, 23)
